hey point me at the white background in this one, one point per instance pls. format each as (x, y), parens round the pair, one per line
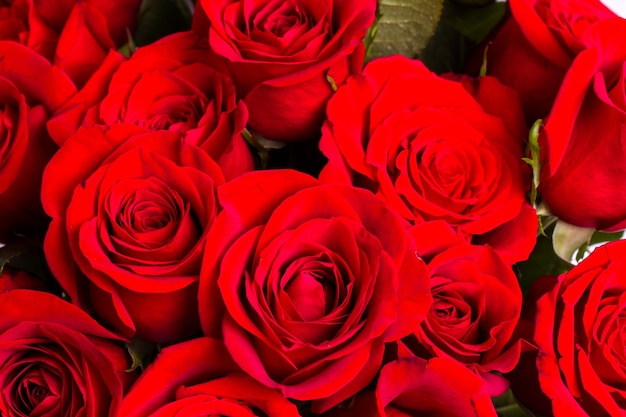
(618, 6)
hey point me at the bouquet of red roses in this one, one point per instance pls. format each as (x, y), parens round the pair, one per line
(312, 208)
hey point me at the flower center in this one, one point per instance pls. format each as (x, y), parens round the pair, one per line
(311, 294)
(30, 393)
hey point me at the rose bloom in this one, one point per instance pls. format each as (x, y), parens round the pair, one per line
(315, 279)
(477, 303)
(543, 37)
(198, 377)
(281, 55)
(130, 212)
(413, 386)
(56, 361)
(74, 35)
(30, 90)
(577, 324)
(167, 85)
(430, 150)
(584, 160)
(83, 107)
(496, 99)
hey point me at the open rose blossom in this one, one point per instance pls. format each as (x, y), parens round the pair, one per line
(198, 377)
(477, 303)
(83, 107)
(543, 37)
(582, 178)
(56, 361)
(430, 150)
(75, 35)
(315, 279)
(577, 324)
(281, 55)
(130, 212)
(167, 85)
(30, 90)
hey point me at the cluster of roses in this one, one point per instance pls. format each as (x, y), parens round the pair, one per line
(381, 283)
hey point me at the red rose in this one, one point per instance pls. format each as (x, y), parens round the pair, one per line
(30, 90)
(417, 387)
(281, 55)
(584, 160)
(199, 377)
(476, 305)
(184, 95)
(435, 387)
(56, 361)
(315, 279)
(496, 99)
(578, 322)
(130, 212)
(83, 108)
(543, 37)
(83, 43)
(47, 18)
(75, 35)
(13, 20)
(426, 146)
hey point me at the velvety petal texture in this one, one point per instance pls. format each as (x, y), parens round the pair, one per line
(583, 140)
(577, 324)
(282, 53)
(57, 361)
(543, 36)
(414, 386)
(430, 150)
(315, 278)
(477, 303)
(75, 36)
(83, 107)
(169, 85)
(198, 377)
(437, 387)
(30, 90)
(130, 213)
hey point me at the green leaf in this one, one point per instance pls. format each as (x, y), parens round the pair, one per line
(405, 26)
(474, 3)
(567, 239)
(506, 406)
(512, 410)
(262, 146)
(129, 47)
(158, 18)
(141, 352)
(371, 34)
(461, 29)
(25, 255)
(533, 150)
(542, 261)
(600, 237)
(483, 66)
(597, 239)
(475, 23)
